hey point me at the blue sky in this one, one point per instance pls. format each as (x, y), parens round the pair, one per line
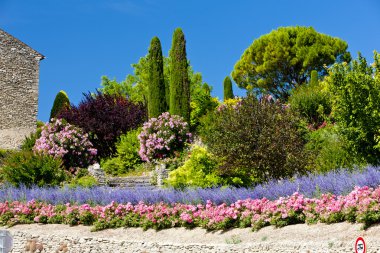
(85, 39)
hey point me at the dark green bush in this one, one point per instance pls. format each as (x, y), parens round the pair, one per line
(127, 155)
(256, 141)
(27, 168)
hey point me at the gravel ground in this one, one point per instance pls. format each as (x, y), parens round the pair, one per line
(339, 237)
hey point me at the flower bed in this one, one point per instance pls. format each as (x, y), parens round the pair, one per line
(362, 205)
(338, 183)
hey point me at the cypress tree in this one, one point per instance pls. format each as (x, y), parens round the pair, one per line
(179, 77)
(227, 84)
(167, 81)
(61, 102)
(156, 90)
(313, 78)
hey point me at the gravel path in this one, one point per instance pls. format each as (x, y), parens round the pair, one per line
(296, 238)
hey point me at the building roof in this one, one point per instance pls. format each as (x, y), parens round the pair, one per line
(22, 44)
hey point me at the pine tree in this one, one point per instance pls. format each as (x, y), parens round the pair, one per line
(61, 102)
(227, 84)
(156, 91)
(179, 78)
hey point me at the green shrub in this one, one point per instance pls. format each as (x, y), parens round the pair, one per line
(29, 141)
(27, 168)
(257, 140)
(355, 90)
(329, 151)
(84, 181)
(3, 154)
(127, 154)
(199, 170)
(312, 102)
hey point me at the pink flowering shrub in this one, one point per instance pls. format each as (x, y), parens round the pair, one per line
(163, 136)
(362, 205)
(60, 139)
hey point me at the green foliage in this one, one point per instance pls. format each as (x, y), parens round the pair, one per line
(4, 153)
(313, 78)
(179, 77)
(355, 90)
(112, 87)
(328, 151)
(29, 141)
(135, 86)
(200, 106)
(201, 100)
(156, 91)
(199, 170)
(84, 181)
(27, 168)
(61, 102)
(127, 157)
(311, 101)
(283, 59)
(257, 140)
(227, 85)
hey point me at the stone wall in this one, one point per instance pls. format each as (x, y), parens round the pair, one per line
(19, 77)
(25, 242)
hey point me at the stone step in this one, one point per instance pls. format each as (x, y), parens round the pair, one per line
(144, 188)
(128, 184)
(133, 182)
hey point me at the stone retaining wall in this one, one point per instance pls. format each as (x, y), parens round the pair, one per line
(24, 242)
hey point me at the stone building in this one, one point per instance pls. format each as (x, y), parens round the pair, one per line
(19, 77)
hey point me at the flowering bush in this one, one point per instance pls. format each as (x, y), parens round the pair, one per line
(163, 136)
(60, 139)
(362, 205)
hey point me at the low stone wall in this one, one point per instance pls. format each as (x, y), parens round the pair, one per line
(24, 242)
(12, 138)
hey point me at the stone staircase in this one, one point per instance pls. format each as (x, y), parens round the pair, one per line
(142, 182)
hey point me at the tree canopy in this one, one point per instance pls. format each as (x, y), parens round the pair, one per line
(283, 59)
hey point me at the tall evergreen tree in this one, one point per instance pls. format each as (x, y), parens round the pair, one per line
(156, 90)
(179, 77)
(227, 84)
(61, 102)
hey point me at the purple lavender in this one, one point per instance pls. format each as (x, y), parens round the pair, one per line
(338, 182)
